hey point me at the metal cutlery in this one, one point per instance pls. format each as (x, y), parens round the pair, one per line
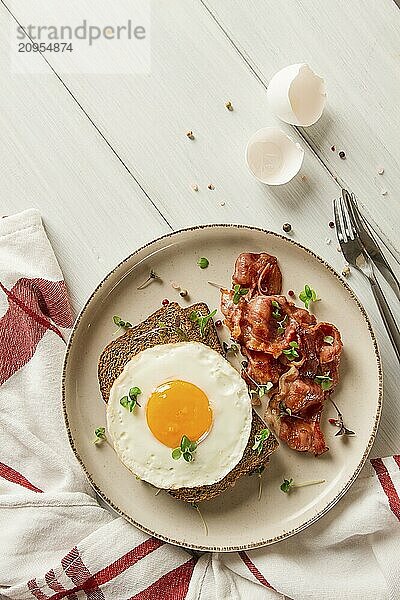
(369, 242)
(356, 255)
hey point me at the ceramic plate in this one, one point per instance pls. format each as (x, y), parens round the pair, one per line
(236, 519)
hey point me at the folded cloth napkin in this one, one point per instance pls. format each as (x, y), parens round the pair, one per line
(57, 542)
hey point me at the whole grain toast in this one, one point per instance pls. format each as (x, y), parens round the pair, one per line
(167, 325)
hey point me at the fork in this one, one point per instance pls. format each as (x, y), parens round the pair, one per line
(355, 254)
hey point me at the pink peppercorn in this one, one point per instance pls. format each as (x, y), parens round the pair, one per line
(291, 293)
(218, 323)
(165, 302)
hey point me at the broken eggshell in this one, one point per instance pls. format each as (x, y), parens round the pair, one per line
(273, 157)
(297, 95)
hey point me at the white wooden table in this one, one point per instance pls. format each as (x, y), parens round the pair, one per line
(106, 160)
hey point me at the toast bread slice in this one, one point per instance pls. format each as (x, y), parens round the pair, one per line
(167, 325)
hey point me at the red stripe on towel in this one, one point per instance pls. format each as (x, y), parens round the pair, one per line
(34, 305)
(171, 586)
(387, 485)
(254, 571)
(92, 582)
(12, 475)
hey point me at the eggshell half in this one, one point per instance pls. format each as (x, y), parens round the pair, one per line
(297, 95)
(273, 157)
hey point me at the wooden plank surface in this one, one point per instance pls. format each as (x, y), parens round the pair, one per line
(71, 135)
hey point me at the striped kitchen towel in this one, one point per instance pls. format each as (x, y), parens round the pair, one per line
(57, 542)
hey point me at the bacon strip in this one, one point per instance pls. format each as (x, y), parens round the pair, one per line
(265, 323)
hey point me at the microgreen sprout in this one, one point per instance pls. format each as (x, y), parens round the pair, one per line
(238, 292)
(202, 320)
(152, 276)
(186, 449)
(328, 339)
(343, 430)
(277, 312)
(130, 401)
(259, 440)
(203, 262)
(196, 507)
(284, 410)
(325, 381)
(308, 295)
(164, 327)
(259, 471)
(291, 353)
(100, 435)
(261, 388)
(281, 327)
(120, 323)
(288, 484)
(232, 349)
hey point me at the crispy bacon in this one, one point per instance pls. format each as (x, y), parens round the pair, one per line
(264, 323)
(259, 273)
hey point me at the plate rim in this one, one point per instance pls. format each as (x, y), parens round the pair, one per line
(348, 484)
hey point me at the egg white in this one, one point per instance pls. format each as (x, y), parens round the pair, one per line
(229, 400)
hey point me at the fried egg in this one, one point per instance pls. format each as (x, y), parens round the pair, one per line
(187, 389)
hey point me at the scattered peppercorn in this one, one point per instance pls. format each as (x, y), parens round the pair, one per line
(195, 187)
(211, 186)
(190, 135)
(331, 224)
(218, 323)
(287, 227)
(183, 293)
(165, 302)
(332, 421)
(342, 155)
(333, 148)
(228, 105)
(384, 192)
(290, 293)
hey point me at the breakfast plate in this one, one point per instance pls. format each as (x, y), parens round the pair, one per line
(238, 518)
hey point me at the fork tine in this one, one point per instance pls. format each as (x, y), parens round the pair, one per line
(351, 213)
(339, 228)
(347, 218)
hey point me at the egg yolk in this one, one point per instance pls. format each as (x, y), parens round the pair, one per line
(178, 408)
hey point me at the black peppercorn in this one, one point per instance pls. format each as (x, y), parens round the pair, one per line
(287, 227)
(342, 155)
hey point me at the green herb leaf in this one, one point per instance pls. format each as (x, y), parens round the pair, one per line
(120, 323)
(185, 443)
(263, 389)
(238, 292)
(100, 435)
(176, 453)
(131, 401)
(203, 262)
(259, 440)
(202, 320)
(186, 449)
(308, 295)
(275, 303)
(291, 353)
(325, 381)
(125, 402)
(287, 485)
(328, 339)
